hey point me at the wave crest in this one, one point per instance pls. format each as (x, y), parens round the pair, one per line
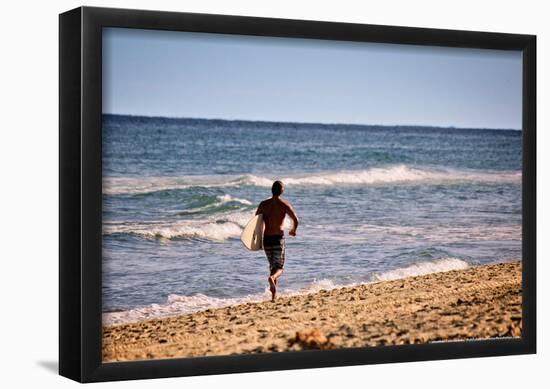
(397, 174)
(216, 229)
(219, 202)
(422, 268)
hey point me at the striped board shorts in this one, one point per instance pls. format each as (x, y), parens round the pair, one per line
(274, 247)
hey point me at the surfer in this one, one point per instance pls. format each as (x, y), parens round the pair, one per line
(273, 211)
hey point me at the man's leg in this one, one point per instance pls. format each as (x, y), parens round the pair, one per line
(275, 274)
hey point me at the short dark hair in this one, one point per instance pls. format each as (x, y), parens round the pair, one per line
(277, 188)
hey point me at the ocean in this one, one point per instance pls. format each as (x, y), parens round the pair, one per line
(374, 202)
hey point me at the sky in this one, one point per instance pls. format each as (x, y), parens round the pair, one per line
(203, 75)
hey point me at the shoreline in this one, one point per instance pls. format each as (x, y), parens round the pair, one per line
(475, 303)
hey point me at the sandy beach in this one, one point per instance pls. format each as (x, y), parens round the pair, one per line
(479, 302)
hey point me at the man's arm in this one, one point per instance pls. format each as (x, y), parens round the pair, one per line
(259, 210)
(290, 212)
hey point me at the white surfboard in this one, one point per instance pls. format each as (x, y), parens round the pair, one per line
(253, 233)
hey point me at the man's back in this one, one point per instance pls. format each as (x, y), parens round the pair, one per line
(274, 211)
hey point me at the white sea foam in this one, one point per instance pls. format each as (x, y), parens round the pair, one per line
(421, 268)
(219, 228)
(220, 200)
(396, 174)
(182, 305)
(393, 175)
(230, 199)
(174, 306)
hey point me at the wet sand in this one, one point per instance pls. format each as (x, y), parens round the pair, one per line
(479, 302)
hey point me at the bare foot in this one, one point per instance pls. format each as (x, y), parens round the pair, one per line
(272, 287)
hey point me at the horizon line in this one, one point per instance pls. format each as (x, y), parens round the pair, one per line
(312, 123)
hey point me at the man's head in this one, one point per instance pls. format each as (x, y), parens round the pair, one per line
(277, 189)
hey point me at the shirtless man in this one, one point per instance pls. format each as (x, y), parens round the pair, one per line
(274, 211)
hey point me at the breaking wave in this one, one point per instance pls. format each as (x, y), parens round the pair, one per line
(397, 174)
(422, 268)
(219, 202)
(218, 228)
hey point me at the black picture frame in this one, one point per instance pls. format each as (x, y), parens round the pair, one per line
(80, 192)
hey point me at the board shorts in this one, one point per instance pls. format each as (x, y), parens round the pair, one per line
(274, 247)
